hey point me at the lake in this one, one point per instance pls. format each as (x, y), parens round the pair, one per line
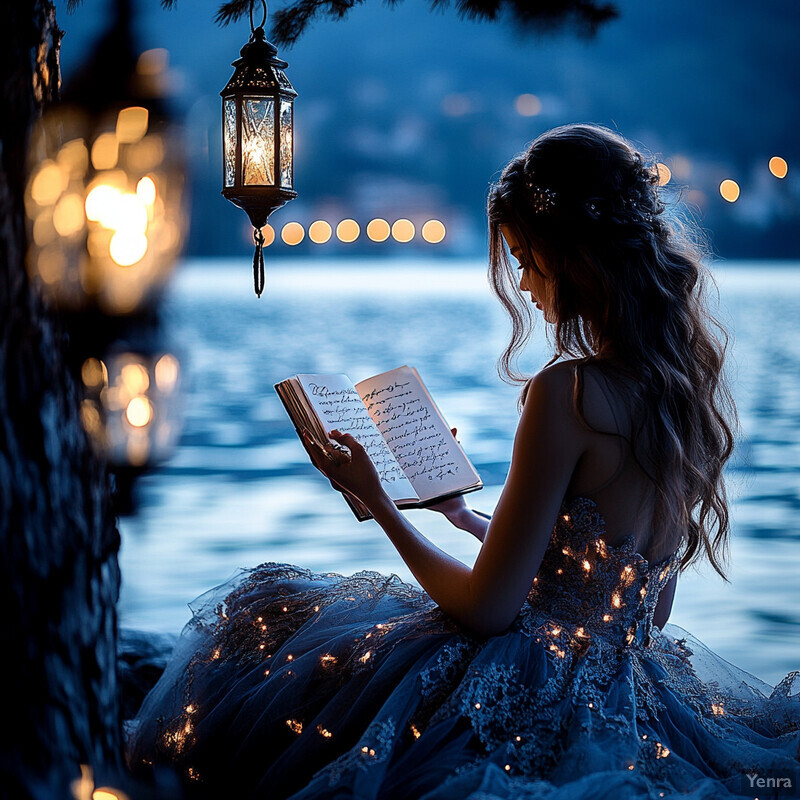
(239, 490)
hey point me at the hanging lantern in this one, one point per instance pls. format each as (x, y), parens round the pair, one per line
(257, 134)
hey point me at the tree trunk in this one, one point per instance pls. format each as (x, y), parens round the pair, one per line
(59, 576)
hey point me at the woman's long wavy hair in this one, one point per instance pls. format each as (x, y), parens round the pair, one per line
(628, 286)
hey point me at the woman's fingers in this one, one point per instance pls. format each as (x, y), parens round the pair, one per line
(313, 448)
(347, 440)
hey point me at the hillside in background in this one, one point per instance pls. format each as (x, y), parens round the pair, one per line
(407, 113)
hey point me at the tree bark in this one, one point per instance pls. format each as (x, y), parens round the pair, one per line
(59, 575)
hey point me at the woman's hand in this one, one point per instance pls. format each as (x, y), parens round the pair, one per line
(454, 507)
(346, 466)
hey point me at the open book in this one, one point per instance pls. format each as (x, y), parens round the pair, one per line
(395, 419)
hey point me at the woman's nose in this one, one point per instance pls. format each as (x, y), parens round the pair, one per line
(523, 283)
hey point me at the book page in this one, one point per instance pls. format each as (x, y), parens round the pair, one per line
(416, 433)
(337, 404)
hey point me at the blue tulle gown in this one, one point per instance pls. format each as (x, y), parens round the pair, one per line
(289, 683)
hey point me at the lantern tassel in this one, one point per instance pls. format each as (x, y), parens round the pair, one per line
(258, 262)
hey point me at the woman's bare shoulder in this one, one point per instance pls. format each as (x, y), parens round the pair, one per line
(551, 392)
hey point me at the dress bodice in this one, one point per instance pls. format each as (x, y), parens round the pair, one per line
(591, 588)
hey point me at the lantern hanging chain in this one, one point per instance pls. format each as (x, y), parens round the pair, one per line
(264, 15)
(258, 262)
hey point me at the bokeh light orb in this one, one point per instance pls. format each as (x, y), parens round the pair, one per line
(528, 105)
(403, 230)
(293, 233)
(729, 190)
(139, 412)
(348, 230)
(127, 247)
(379, 230)
(664, 174)
(320, 231)
(433, 231)
(778, 167)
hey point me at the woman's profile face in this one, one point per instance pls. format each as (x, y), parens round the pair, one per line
(534, 275)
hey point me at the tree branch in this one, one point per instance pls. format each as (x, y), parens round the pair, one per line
(542, 16)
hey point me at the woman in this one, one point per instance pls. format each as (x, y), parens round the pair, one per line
(542, 671)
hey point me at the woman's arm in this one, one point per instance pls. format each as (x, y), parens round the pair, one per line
(460, 515)
(487, 598)
(664, 604)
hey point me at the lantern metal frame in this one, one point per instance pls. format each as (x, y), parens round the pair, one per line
(259, 75)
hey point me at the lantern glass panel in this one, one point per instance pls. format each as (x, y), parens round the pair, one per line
(258, 141)
(286, 144)
(230, 141)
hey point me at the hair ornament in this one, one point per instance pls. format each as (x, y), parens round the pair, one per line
(593, 207)
(543, 200)
(633, 207)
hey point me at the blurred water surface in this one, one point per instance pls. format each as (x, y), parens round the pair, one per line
(240, 490)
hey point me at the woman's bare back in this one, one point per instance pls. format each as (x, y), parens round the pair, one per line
(607, 472)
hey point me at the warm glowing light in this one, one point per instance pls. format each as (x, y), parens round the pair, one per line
(586, 565)
(74, 157)
(90, 417)
(661, 751)
(146, 190)
(319, 231)
(166, 370)
(135, 378)
(43, 230)
(139, 412)
(717, 709)
(324, 732)
(729, 190)
(131, 124)
(127, 247)
(128, 214)
(664, 174)
(105, 793)
(48, 184)
(403, 230)
(616, 600)
(433, 231)
(51, 265)
(528, 105)
(269, 235)
(348, 230)
(152, 62)
(293, 233)
(105, 151)
(99, 200)
(415, 731)
(94, 373)
(778, 167)
(294, 725)
(378, 230)
(68, 215)
(82, 787)
(147, 154)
